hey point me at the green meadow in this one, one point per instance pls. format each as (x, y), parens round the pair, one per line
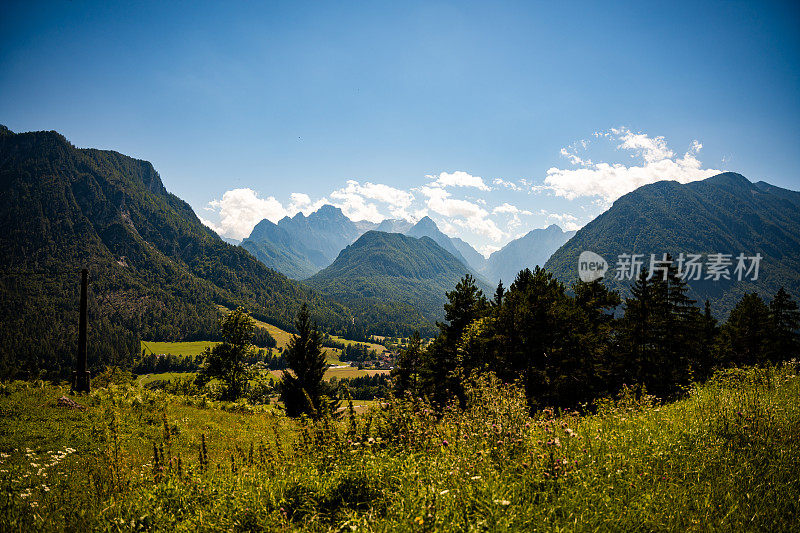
(726, 457)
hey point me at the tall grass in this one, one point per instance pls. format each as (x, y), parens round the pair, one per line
(725, 458)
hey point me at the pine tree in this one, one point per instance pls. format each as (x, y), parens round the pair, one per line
(747, 332)
(303, 390)
(405, 374)
(785, 322)
(708, 340)
(441, 373)
(498, 295)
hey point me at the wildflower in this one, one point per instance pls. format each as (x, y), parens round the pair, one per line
(569, 432)
(442, 493)
(419, 520)
(502, 502)
(475, 478)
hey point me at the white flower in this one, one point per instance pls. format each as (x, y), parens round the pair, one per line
(502, 502)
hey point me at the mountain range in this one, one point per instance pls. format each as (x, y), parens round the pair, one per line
(724, 214)
(303, 245)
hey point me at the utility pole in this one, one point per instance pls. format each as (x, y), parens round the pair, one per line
(80, 378)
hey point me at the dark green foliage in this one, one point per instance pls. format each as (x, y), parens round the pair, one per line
(303, 390)
(746, 336)
(155, 270)
(444, 366)
(722, 214)
(661, 333)
(364, 387)
(228, 361)
(358, 353)
(785, 318)
(567, 348)
(405, 374)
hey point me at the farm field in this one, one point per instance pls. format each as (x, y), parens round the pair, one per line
(725, 458)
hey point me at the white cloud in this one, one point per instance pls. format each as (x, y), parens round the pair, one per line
(355, 206)
(510, 209)
(397, 200)
(462, 213)
(241, 209)
(487, 249)
(610, 181)
(458, 178)
(507, 184)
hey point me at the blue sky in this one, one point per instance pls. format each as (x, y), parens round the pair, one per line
(492, 118)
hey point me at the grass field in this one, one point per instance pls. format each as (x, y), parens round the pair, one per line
(177, 348)
(726, 458)
(147, 378)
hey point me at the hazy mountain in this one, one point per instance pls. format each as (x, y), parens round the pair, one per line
(394, 226)
(302, 245)
(724, 214)
(390, 267)
(428, 228)
(326, 230)
(274, 246)
(474, 259)
(156, 271)
(530, 250)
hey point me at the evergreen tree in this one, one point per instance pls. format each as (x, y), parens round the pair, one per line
(498, 294)
(639, 331)
(228, 361)
(405, 374)
(529, 327)
(442, 372)
(746, 335)
(303, 390)
(785, 322)
(708, 342)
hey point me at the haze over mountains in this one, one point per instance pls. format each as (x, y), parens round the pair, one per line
(725, 214)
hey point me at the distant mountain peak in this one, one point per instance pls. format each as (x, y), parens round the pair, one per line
(328, 211)
(426, 222)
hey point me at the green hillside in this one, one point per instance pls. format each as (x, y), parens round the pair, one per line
(389, 274)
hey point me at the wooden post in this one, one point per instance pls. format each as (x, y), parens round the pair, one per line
(80, 380)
